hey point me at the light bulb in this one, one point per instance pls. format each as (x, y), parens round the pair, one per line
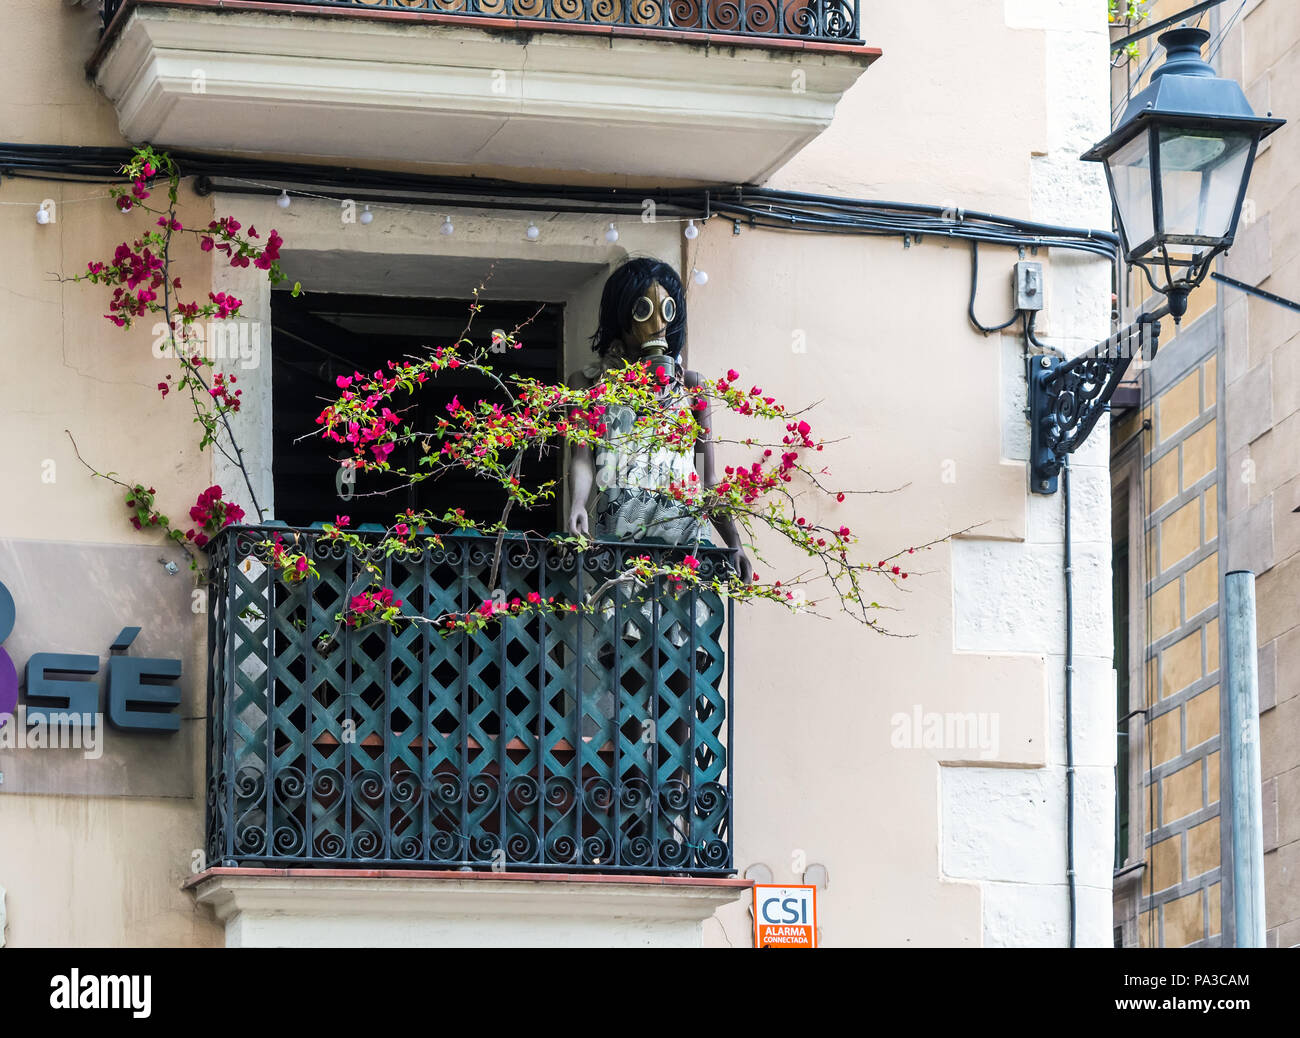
(611, 234)
(283, 200)
(690, 230)
(42, 216)
(700, 277)
(532, 234)
(367, 215)
(447, 227)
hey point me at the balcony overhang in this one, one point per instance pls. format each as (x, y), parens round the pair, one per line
(260, 77)
(372, 908)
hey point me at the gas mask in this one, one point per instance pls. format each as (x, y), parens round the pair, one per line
(652, 315)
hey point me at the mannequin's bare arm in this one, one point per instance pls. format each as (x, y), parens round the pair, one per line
(582, 474)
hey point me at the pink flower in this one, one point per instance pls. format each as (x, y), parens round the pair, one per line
(342, 520)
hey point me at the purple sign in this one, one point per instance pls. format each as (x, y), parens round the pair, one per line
(8, 674)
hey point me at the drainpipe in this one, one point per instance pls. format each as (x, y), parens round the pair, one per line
(1242, 745)
(1069, 708)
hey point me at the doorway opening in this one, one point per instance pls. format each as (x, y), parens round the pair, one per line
(318, 337)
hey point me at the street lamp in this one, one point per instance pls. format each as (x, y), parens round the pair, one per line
(1177, 166)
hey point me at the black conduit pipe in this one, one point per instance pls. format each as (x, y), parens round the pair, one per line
(1069, 707)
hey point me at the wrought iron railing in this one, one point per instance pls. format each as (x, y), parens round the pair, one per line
(597, 740)
(827, 20)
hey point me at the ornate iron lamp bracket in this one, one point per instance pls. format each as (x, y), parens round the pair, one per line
(1067, 397)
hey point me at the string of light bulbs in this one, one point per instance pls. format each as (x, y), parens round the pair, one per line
(532, 232)
(447, 228)
(46, 208)
(284, 200)
(66, 201)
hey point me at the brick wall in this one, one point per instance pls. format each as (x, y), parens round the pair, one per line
(1181, 902)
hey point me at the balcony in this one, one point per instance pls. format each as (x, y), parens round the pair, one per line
(683, 90)
(597, 741)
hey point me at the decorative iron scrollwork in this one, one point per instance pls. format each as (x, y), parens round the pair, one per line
(1067, 398)
(543, 742)
(828, 20)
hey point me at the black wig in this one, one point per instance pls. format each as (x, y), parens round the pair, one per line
(627, 284)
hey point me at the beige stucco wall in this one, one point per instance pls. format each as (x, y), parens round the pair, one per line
(83, 870)
(923, 846)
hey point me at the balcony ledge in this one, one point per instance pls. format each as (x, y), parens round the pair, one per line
(428, 908)
(459, 92)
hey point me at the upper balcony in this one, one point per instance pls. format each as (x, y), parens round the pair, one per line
(681, 90)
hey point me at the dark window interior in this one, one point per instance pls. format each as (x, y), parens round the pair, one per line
(318, 337)
(1120, 575)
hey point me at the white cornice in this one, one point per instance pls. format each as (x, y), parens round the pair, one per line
(449, 94)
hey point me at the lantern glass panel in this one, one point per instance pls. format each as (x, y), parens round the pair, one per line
(1200, 179)
(1130, 175)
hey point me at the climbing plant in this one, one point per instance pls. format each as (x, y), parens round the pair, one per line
(778, 488)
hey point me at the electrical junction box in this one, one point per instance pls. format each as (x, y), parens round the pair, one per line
(1028, 285)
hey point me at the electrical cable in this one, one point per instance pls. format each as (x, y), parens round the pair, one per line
(1030, 317)
(745, 205)
(1223, 33)
(974, 285)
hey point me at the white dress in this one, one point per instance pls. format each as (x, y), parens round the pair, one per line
(632, 499)
(632, 479)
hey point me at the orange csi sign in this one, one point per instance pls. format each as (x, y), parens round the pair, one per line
(785, 917)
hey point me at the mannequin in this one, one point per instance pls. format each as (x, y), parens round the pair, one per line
(642, 317)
